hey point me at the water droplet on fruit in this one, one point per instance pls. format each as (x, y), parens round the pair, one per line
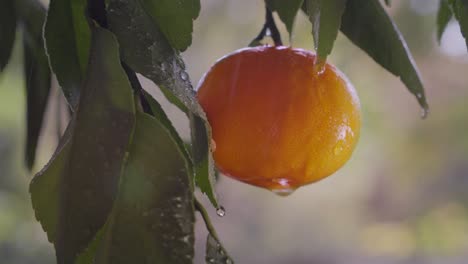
(220, 211)
(282, 187)
(338, 148)
(184, 76)
(319, 66)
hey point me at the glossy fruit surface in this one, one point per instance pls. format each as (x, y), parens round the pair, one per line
(278, 123)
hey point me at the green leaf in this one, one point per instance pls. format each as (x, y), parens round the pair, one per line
(73, 195)
(89, 254)
(202, 158)
(369, 27)
(325, 16)
(215, 252)
(443, 18)
(45, 188)
(152, 220)
(388, 2)
(67, 37)
(161, 116)
(287, 11)
(460, 9)
(146, 50)
(7, 31)
(174, 19)
(37, 77)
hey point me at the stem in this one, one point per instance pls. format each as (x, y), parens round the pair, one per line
(261, 35)
(199, 207)
(136, 85)
(97, 12)
(269, 25)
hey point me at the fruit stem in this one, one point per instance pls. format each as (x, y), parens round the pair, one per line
(97, 11)
(269, 25)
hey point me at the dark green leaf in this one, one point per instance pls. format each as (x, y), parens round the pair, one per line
(325, 16)
(37, 76)
(67, 37)
(45, 188)
(388, 2)
(159, 114)
(443, 18)
(89, 254)
(7, 31)
(73, 195)
(460, 9)
(152, 220)
(146, 50)
(174, 19)
(368, 26)
(215, 252)
(202, 158)
(287, 11)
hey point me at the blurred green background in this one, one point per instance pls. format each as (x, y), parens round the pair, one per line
(402, 198)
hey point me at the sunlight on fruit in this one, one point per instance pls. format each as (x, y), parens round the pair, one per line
(280, 118)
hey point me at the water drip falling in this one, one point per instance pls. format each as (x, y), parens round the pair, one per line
(283, 192)
(424, 112)
(282, 187)
(220, 211)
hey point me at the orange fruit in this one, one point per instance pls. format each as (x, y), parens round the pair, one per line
(278, 123)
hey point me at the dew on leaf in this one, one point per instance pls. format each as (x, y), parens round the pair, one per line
(184, 75)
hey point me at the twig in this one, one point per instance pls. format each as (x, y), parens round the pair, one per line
(271, 26)
(270, 23)
(199, 207)
(136, 85)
